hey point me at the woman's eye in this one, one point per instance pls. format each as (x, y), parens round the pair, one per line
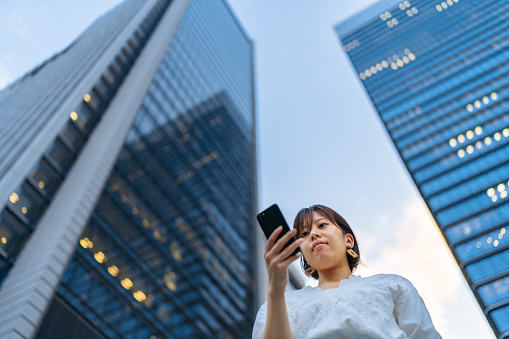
(303, 234)
(322, 225)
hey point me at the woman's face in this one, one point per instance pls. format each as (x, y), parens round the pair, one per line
(324, 246)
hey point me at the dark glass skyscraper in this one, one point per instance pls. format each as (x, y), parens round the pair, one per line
(437, 73)
(128, 171)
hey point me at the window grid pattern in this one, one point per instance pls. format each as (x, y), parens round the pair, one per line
(438, 79)
(202, 273)
(171, 233)
(495, 291)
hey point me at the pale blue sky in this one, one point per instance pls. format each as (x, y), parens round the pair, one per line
(319, 139)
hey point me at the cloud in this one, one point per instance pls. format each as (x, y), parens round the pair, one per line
(17, 24)
(417, 251)
(8, 57)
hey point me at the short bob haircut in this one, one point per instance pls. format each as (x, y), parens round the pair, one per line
(304, 220)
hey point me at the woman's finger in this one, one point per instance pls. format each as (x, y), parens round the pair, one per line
(272, 238)
(278, 246)
(289, 250)
(291, 259)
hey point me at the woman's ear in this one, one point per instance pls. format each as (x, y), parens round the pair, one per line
(349, 240)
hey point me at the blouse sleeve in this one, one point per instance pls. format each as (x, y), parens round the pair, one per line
(259, 324)
(411, 313)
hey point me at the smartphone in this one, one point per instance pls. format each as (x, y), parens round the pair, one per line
(272, 218)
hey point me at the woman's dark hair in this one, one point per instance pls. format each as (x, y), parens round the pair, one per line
(304, 220)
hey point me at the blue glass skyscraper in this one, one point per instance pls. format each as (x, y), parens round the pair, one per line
(436, 72)
(128, 177)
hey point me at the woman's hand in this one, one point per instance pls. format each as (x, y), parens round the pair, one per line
(277, 324)
(277, 263)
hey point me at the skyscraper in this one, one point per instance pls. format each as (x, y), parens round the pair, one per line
(436, 72)
(128, 171)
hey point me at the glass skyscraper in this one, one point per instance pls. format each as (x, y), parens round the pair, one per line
(437, 74)
(128, 177)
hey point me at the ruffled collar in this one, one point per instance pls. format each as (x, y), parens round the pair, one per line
(352, 278)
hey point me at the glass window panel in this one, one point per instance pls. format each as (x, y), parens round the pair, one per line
(83, 118)
(468, 170)
(72, 135)
(144, 27)
(103, 90)
(60, 154)
(489, 266)
(13, 230)
(117, 70)
(30, 201)
(468, 207)
(95, 103)
(134, 43)
(470, 187)
(128, 53)
(140, 36)
(5, 235)
(124, 62)
(110, 79)
(501, 318)
(45, 176)
(491, 123)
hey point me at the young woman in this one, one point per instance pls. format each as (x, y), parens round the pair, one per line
(343, 305)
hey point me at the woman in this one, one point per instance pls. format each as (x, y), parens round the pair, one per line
(342, 305)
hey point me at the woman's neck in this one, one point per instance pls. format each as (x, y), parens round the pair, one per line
(332, 278)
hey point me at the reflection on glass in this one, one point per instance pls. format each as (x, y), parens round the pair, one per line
(140, 296)
(126, 283)
(113, 270)
(170, 280)
(14, 197)
(100, 257)
(176, 251)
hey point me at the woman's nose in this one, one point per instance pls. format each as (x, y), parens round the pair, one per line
(314, 234)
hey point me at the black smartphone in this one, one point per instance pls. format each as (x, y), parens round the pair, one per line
(272, 218)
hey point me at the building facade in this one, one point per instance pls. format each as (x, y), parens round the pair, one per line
(128, 167)
(436, 72)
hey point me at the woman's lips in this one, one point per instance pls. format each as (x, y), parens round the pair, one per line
(318, 246)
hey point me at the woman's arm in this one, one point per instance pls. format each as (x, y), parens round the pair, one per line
(411, 313)
(277, 325)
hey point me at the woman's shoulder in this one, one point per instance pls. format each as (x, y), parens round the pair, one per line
(394, 284)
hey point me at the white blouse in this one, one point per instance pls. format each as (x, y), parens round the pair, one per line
(380, 306)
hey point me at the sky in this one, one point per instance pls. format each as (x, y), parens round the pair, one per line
(319, 138)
